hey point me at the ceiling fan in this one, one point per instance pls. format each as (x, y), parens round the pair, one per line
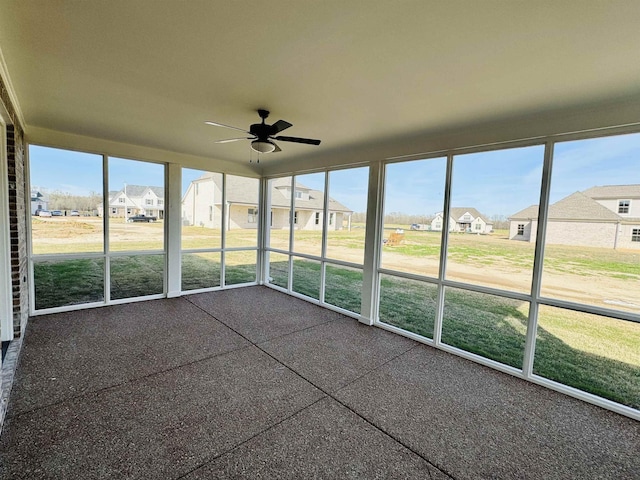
(262, 135)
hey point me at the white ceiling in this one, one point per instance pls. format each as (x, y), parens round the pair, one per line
(349, 72)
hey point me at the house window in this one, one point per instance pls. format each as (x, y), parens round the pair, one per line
(331, 215)
(160, 202)
(121, 200)
(298, 194)
(252, 214)
(521, 229)
(317, 218)
(478, 226)
(295, 218)
(467, 218)
(148, 201)
(623, 206)
(210, 213)
(114, 211)
(635, 235)
(438, 226)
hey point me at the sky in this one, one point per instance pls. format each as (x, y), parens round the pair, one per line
(501, 182)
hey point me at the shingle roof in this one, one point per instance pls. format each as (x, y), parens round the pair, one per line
(613, 191)
(530, 212)
(244, 190)
(457, 212)
(138, 191)
(576, 206)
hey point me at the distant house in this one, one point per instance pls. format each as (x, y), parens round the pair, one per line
(136, 200)
(463, 219)
(202, 204)
(603, 216)
(39, 201)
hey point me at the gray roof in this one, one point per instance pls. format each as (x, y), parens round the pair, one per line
(531, 212)
(138, 191)
(613, 191)
(576, 206)
(457, 212)
(245, 190)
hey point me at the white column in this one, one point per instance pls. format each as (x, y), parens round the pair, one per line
(173, 229)
(372, 241)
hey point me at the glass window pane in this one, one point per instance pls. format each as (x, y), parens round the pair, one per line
(408, 304)
(414, 193)
(489, 190)
(278, 269)
(136, 205)
(596, 354)
(68, 282)
(306, 277)
(240, 267)
(348, 191)
(201, 209)
(66, 201)
(308, 217)
(343, 287)
(592, 242)
(487, 325)
(242, 211)
(136, 276)
(200, 270)
(280, 198)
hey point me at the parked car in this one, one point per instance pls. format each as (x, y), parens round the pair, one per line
(74, 213)
(56, 213)
(141, 218)
(44, 213)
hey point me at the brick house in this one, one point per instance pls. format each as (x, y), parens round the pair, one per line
(603, 216)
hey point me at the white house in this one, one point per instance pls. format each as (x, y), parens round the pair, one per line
(602, 216)
(136, 200)
(39, 201)
(202, 204)
(463, 219)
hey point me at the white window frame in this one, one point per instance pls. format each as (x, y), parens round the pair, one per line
(635, 234)
(520, 229)
(624, 206)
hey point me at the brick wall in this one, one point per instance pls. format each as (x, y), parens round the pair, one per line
(17, 213)
(587, 234)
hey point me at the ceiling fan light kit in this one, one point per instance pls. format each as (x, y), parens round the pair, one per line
(262, 147)
(262, 135)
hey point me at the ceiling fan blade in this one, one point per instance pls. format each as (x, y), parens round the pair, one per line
(279, 126)
(278, 149)
(309, 141)
(216, 124)
(228, 140)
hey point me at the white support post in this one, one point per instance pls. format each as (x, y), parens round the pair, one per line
(543, 209)
(173, 229)
(373, 240)
(106, 214)
(325, 233)
(444, 242)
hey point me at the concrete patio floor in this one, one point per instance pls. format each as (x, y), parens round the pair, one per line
(253, 383)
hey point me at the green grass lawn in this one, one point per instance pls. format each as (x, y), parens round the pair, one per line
(596, 354)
